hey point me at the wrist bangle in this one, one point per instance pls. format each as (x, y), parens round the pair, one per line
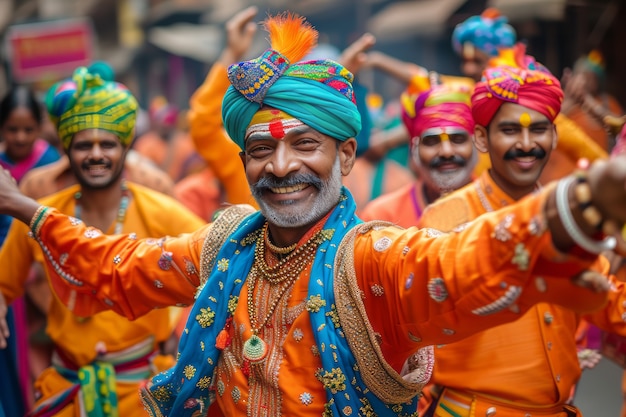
(38, 220)
(572, 229)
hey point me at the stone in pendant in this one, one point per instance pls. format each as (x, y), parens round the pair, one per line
(254, 349)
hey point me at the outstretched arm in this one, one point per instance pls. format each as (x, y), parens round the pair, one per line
(205, 120)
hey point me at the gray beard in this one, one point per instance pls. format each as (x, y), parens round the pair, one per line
(447, 181)
(327, 198)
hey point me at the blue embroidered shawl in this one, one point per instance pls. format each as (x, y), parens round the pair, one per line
(184, 389)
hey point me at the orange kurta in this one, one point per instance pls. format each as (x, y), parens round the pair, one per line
(424, 288)
(210, 138)
(403, 207)
(79, 339)
(530, 364)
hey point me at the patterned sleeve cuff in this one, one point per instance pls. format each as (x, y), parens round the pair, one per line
(39, 219)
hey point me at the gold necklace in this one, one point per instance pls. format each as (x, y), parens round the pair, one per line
(285, 272)
(274, 248)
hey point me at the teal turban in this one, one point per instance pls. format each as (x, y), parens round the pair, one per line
(318, 93)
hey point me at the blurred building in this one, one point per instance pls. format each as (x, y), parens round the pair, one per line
(164, 47)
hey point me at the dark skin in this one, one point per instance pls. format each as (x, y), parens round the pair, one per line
(101, 193)
(300, 151)
(607, 181)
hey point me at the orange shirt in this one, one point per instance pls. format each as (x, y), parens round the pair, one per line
(591, 125)
(201, 193)
(425, 288)
(403, 207)
(531, 362)
(80, 337)
(210, 139)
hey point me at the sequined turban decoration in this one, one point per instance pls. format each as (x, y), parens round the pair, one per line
(318, 92)
(535, 89)
(87, 101)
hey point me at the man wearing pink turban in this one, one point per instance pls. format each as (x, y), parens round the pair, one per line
(440, 125)
(526, 367)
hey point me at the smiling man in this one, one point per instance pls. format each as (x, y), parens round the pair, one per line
(514, 110)
(300, 308)
(99, 360)
(440, 124)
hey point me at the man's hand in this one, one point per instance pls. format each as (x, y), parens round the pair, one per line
(354, 56)
(607, 180)
(240, 31)
(4, 327)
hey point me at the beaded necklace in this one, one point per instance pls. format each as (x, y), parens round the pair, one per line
(284, 273)
(121, 211)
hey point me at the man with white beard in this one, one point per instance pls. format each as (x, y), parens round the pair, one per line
(440, 125)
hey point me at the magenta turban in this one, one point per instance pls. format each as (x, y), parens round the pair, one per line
(535, 89)
(441, 106)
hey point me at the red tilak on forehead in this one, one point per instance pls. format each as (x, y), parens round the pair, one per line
(274, 122)
(277, 129)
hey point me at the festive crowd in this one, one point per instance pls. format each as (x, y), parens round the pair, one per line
(288, 245)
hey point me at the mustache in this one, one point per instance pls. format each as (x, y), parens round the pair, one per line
(518, 153)
(87, 164)
(271, 181)
(438, 161)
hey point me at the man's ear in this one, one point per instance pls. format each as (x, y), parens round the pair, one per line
(347, 155)
(481, 140)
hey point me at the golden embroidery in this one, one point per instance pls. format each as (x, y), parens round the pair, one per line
(206, 317)
(225, 224)
(189, 371)
(232, 304)
(521, 257)
(334, 380)
(222, 265)
(204, 382)
(377, 374)
(315, 303)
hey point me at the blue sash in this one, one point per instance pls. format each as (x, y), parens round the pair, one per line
(184, 389)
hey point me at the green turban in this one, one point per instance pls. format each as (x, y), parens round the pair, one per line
(88, 102)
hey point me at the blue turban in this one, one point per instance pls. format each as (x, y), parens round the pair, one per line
(487, 32)
(318, 93)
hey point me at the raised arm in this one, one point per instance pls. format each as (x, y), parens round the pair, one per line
(205, 120)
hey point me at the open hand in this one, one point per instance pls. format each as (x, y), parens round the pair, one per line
(240, 31)
(354, 56)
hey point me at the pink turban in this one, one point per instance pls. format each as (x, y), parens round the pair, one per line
(620, 145)
(538, 90)
(442, 106)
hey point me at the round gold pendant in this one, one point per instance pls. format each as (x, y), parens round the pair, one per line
(254, 349)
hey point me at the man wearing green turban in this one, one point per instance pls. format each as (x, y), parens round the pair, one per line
(89, 101)
(300, 308)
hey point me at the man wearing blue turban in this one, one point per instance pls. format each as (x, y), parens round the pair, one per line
(300, 308)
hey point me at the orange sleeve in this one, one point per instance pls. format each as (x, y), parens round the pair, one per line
(90, 271)
(611, 318)
(16, 255)
(574, 142)
(432, 288)
(211, 140)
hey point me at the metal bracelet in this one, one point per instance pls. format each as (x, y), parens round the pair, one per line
(572, 229)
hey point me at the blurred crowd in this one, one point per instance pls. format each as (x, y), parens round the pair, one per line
(165, 170)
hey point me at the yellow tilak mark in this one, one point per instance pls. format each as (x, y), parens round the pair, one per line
(525, 119)
(444, 136)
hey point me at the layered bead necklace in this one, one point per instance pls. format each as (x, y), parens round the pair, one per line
(284, 273)
(121, 210)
